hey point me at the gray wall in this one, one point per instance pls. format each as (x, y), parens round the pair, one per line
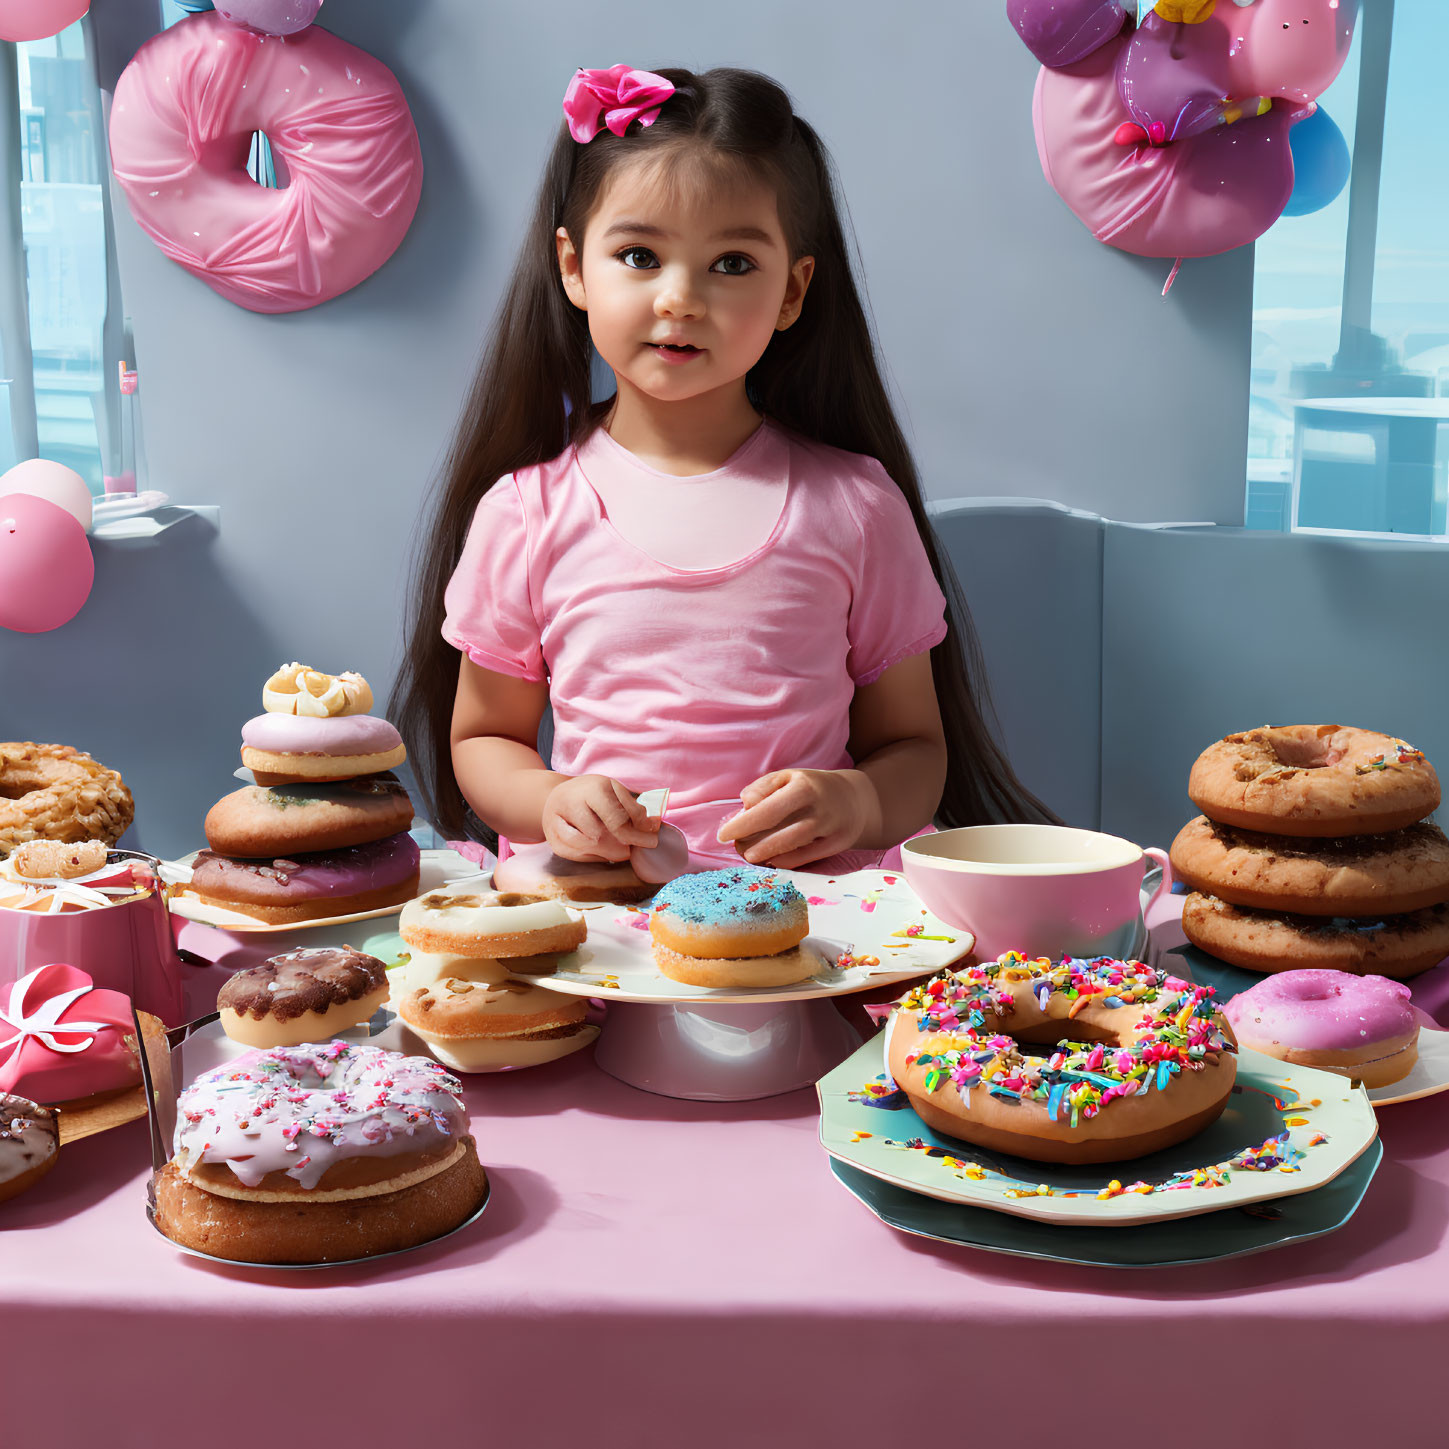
(1028, 360)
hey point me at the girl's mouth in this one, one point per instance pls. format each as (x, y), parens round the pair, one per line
(674, 352)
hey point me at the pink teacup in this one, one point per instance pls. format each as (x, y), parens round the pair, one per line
(1045, 890)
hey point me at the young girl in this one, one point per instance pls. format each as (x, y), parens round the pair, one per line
(721, 578)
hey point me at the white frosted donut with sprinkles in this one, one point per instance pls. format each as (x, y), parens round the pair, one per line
(317, 1154)
(1148, 1064)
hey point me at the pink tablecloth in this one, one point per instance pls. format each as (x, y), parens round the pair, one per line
(654, 1272)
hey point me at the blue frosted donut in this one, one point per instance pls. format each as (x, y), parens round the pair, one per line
(720, 914)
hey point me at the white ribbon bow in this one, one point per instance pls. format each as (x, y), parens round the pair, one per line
(45, 1022)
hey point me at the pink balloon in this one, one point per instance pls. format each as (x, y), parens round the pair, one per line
(1193, 198)
(46, 567)
(1288, 48)
(38, 19)
(52, 481)
(274, 17)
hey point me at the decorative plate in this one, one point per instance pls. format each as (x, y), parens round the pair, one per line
(1180, 1241)
(1285, 1130)
(864, 918)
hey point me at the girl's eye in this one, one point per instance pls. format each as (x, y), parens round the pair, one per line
(629, 253)
(734, 265)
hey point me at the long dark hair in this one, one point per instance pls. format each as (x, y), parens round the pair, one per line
(531, 399)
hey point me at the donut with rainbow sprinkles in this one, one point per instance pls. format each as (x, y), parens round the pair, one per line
(1150, 1060)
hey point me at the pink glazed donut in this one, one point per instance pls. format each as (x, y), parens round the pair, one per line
(185, 112)
(1357, 1026)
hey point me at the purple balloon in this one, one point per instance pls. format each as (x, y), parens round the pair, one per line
(275, 17)
(1062, 32)
(1175, 76)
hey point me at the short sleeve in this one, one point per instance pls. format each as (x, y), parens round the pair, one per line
(488, 605)
(897, 607)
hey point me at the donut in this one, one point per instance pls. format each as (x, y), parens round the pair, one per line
(535, 870)
(54, 792)
(285, 749)
(258, 820)
(1317, 780)
(1391, 945)
(303, 996)
(490, 925)
(299, 689)
(57, 859)
(1148, 1063)
(318, 1153)
(1361, 1027)
(737, 927)
(307, 888)
(29, 1142)
(1352, 875)
(182, 121)
(474, 1017)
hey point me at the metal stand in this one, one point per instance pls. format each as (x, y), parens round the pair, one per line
(722, 1053)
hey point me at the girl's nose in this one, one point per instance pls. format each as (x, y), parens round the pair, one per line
(677, 296)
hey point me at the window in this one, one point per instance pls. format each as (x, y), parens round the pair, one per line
(1349, 418)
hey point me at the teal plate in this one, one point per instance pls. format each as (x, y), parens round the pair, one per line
(1233, 1233)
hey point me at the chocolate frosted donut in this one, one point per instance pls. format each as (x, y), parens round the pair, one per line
(29, 1141)
(304, 996)
(305, 887)
(1353, 875)
(258, 822)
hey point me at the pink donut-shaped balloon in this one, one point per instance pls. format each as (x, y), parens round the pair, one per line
(1196, 197)
(182, 122)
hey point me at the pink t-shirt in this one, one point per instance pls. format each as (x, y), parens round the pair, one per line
(701, 679)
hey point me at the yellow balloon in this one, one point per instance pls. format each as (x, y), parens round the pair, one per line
(1189, 12)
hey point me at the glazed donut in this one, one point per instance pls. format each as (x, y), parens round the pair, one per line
(182, 122)
(318, 1153)
(1353, 875)
(303, 996)
(299, 689)
(306, 888)
(54, 792)
(1318, 780)
(736, 927)
(1148, 1063)
(289, 749)
(284, 819)
(29, 1141)
(1361, 1027)
(1392, 945)
(490, 925)
(474, 1017)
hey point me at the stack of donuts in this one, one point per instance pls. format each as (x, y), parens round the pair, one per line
(1313, 852)
(324, 830)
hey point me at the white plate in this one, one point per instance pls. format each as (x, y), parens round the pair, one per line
(860, 915)
(436, 868)
(1270, 1098)
(1430, 1074)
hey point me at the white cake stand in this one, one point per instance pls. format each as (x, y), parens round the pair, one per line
(731, 1045)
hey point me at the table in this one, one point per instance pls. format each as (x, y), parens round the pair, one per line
(655, 1272)
(1401, 491)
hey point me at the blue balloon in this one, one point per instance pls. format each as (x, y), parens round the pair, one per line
(195, 6)
(1321, 163)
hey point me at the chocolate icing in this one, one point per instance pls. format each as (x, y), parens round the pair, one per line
(28, 1135)
(310, 979)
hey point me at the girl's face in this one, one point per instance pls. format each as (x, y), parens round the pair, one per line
(685, 291)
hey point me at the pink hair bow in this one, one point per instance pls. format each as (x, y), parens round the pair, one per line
(613, 98)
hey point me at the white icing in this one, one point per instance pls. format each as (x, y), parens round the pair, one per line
(481, 915)
(45, 1020)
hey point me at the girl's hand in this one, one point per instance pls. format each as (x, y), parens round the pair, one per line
(591, 817)
(792, 817)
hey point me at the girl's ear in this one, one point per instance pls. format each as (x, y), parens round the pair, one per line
(800, 274)
(570, 269)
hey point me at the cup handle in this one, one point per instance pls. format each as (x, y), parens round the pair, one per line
(1165, 885)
